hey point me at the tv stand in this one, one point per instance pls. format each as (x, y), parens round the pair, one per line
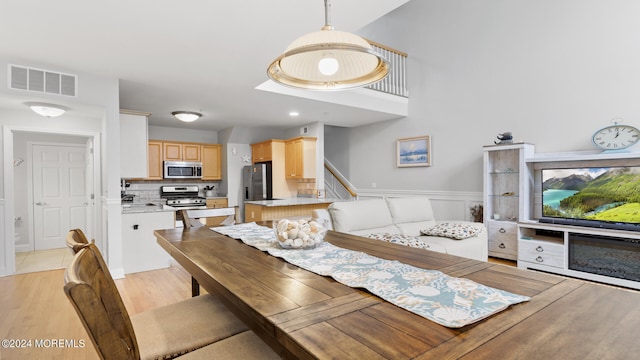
(602, 255)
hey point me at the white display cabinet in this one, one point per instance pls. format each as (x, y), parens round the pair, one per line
(507, 186)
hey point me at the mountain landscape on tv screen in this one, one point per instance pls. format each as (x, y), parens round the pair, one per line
(603, 194)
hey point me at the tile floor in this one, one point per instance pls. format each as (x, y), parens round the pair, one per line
(42, 260)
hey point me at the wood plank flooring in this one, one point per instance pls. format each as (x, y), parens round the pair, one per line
(33, 307)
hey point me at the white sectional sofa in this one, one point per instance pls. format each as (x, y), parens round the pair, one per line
(409, 218)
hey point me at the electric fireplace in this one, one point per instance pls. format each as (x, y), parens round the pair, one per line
(603, 255)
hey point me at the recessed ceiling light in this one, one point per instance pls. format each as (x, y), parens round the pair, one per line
(294, 113)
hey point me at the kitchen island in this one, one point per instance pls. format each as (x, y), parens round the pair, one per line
(262, 210)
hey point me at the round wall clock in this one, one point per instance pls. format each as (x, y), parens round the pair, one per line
(616, 137)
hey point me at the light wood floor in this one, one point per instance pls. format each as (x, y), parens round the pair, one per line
(34, 307)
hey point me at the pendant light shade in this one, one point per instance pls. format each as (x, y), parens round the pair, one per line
(328, 60)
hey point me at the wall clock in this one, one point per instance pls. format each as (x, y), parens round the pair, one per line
(616, 137)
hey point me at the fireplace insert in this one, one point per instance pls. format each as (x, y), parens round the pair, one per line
(604, 255)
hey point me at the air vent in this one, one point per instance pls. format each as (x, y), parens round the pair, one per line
(44, 81)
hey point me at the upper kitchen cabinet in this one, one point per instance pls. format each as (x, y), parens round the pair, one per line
(155, 160)
(174, 151)
(300, 158)
(133, 144)
(211, 156)
(266, 150)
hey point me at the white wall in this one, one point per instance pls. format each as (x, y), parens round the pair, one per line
(550, 71)
(176, 134)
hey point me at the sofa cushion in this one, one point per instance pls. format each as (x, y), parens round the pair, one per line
(351, 216)
(453, 230)
(411, 214)
(412, 241)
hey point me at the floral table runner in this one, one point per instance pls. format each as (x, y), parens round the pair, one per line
(446, 300)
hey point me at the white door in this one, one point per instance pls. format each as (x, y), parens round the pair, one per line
(59, 193)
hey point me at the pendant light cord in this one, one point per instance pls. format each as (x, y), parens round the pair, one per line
(327, 14)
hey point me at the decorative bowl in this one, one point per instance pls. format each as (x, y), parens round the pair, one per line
(299, 233)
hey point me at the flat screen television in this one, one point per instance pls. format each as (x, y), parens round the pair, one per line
(603, 197)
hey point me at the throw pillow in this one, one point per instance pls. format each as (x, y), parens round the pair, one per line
(452, 230)
(399, 239)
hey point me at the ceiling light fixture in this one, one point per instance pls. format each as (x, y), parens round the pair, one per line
(328, 60)
(186, 116)
(47, 110)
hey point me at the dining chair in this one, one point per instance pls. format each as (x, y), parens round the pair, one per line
(76, 240)
(197, 217)
(200, 327)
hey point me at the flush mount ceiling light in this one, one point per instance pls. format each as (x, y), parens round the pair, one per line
(328, 60)
(46, 110)
(186, 116)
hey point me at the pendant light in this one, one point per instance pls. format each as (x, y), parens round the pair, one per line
(328, 60)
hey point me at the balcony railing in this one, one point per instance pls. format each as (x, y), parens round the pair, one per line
(396, 82)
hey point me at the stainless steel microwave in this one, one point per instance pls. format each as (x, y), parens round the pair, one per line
(182, 170)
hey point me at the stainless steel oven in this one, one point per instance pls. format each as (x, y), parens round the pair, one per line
(182, 170)
(182, 198)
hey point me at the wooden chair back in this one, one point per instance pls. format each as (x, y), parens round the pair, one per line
(93, 293)
(197, 217)
(77, 240)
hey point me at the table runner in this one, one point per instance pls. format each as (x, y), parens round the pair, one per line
(446, 300)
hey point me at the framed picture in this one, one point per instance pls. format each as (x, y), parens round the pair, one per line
(414, 151)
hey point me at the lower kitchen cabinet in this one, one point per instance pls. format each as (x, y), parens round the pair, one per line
(140, 251)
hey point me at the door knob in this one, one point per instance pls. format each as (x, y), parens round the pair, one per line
(41, 203)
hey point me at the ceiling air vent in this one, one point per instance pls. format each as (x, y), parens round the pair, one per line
(44, 81)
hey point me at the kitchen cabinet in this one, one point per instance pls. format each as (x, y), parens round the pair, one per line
(140, 251)
(133, 144)
(278, 209)
(261, 151)
(266, 150)
(216, 204)
(175, 151)
(300, 158)
(154, 160)
(211, 155)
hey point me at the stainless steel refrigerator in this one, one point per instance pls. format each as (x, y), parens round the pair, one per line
(256, 181)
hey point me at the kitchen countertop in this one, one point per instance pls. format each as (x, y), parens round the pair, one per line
(135, 208)
(292, 201)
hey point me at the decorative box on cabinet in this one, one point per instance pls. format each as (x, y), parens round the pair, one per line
(300, 158)
(506, 191)
(211, 161)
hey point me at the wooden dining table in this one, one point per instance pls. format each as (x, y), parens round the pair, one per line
(302, 315)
